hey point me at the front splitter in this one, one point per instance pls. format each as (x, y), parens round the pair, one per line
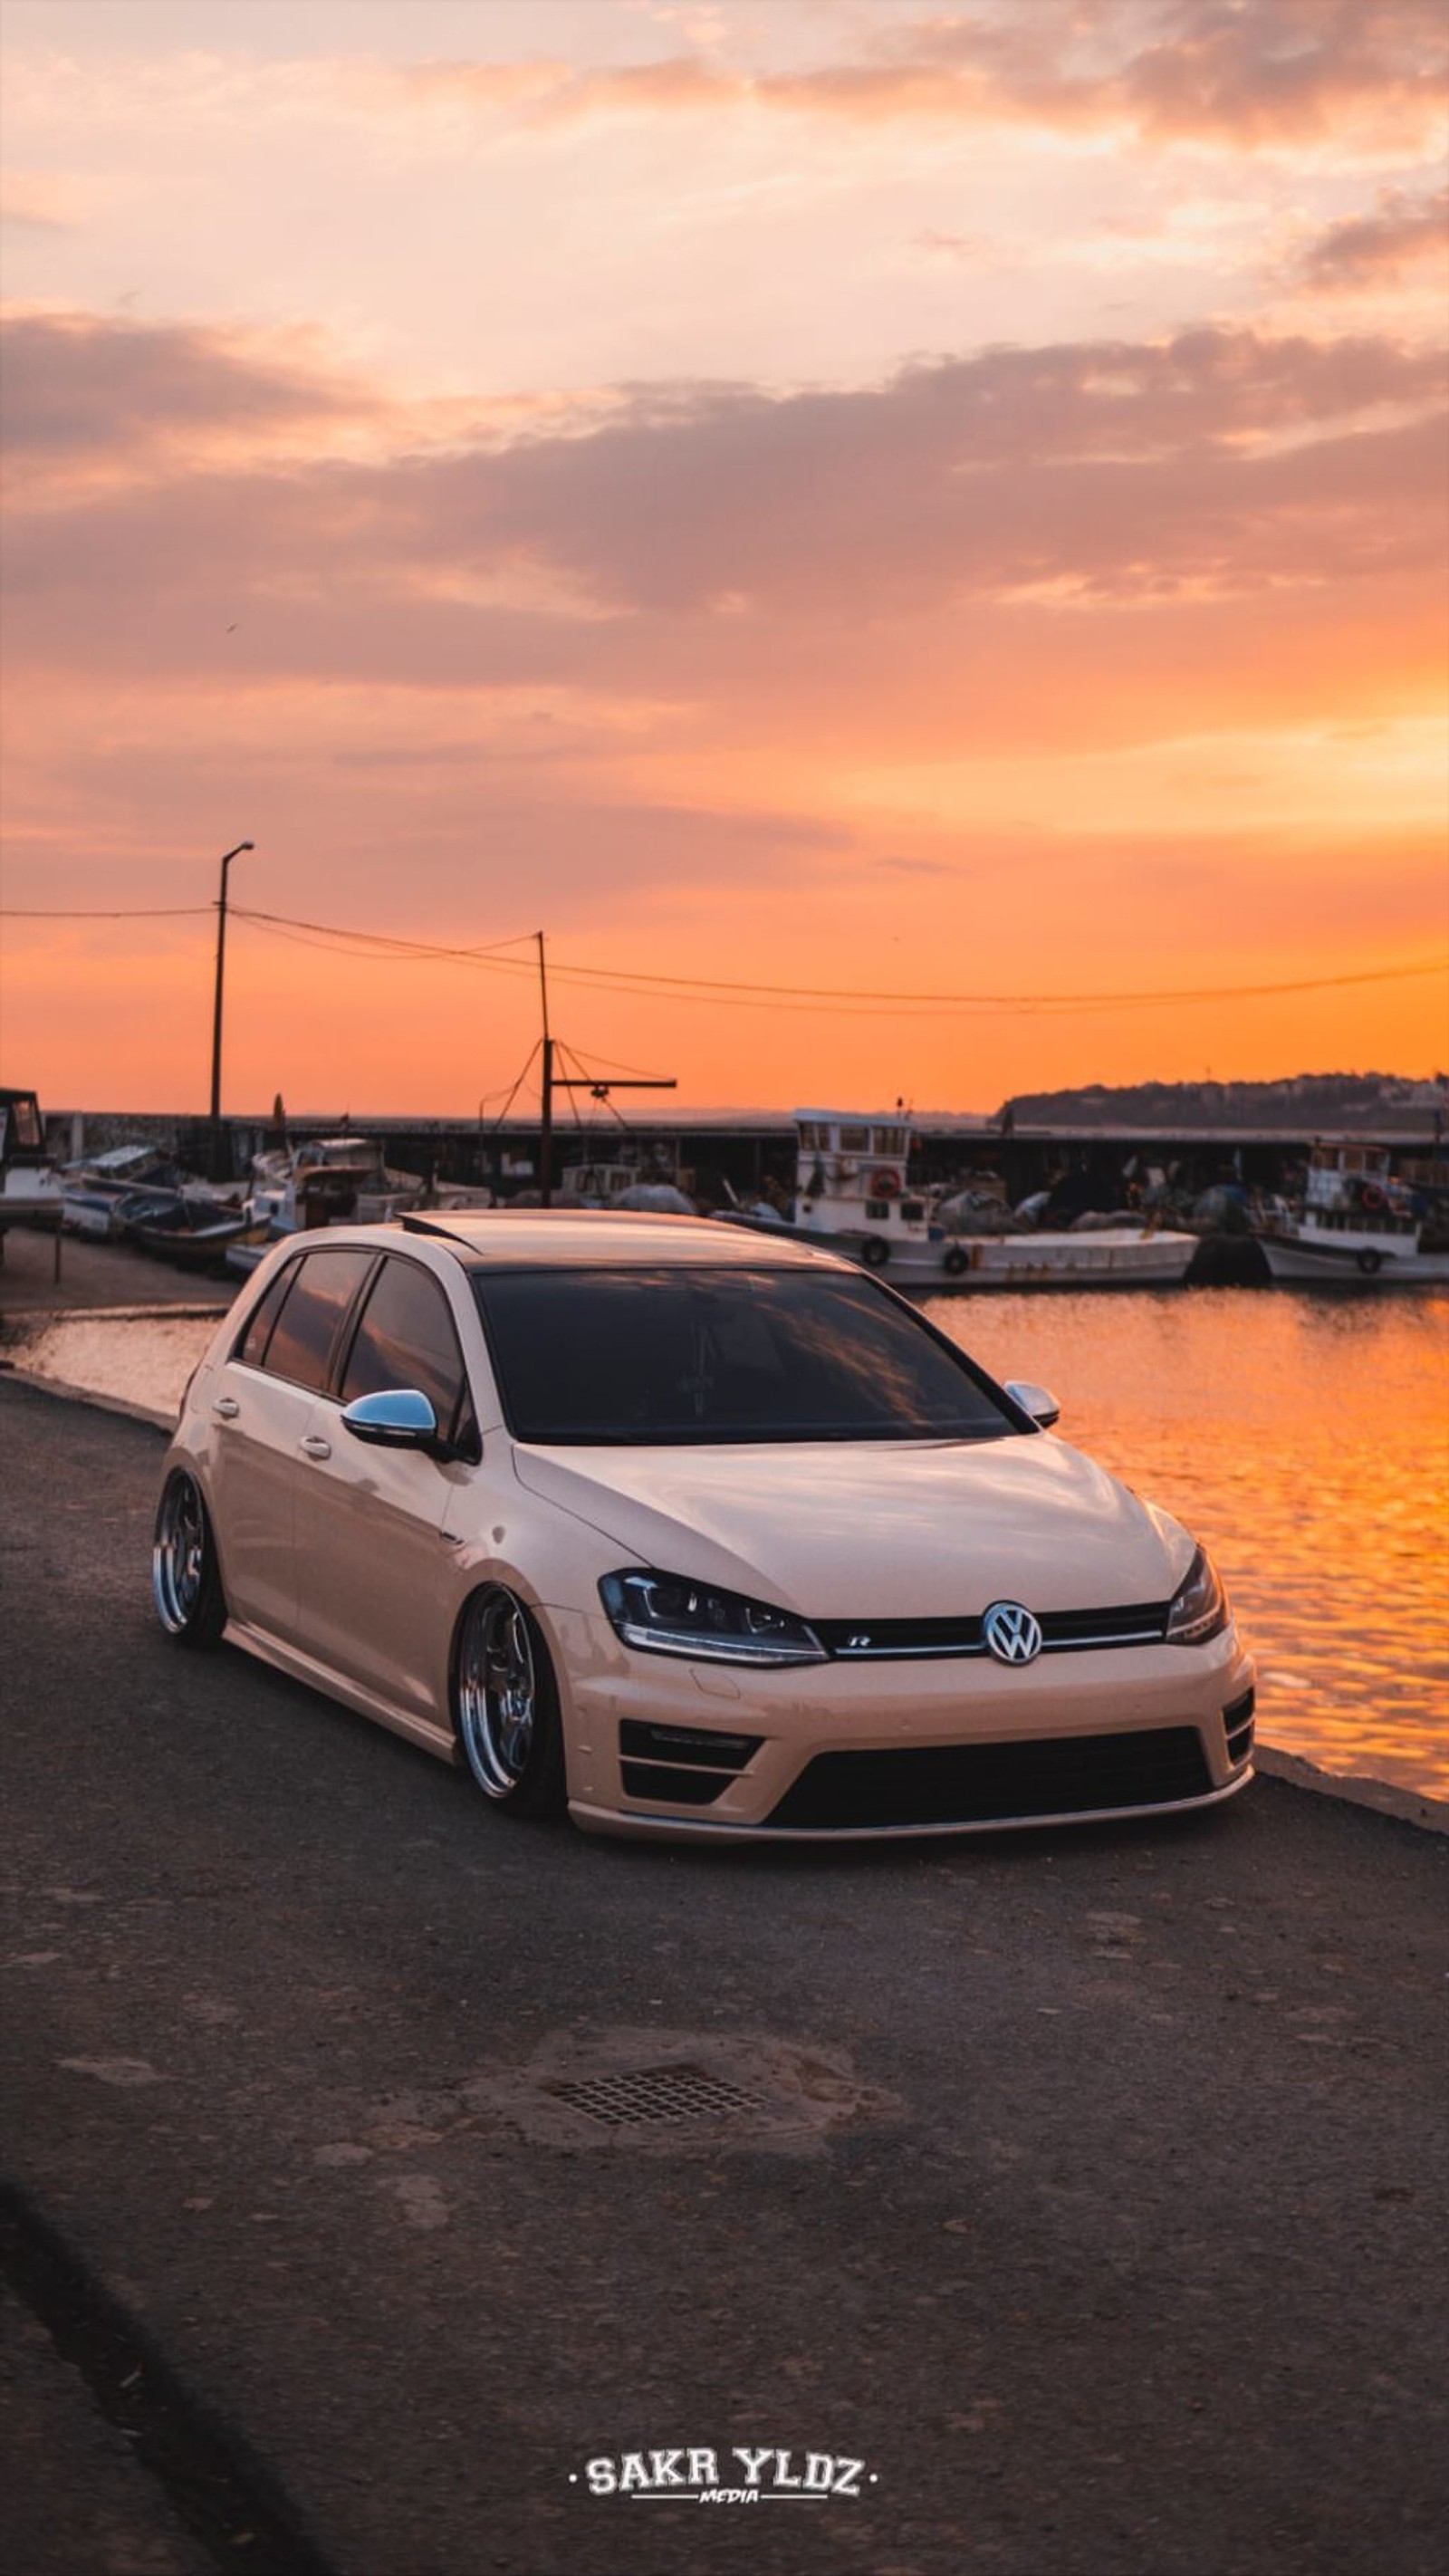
(621, 1821)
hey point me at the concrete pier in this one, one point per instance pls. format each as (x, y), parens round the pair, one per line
(1109, 2249)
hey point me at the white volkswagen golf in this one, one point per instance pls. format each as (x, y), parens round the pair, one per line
(692, 1531)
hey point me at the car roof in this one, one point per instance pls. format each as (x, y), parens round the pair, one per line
(589, 1238)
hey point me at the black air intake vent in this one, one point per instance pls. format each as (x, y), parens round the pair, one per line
(686, 1766)
(966, 1784)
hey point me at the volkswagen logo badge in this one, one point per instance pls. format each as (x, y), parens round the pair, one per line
(1012, 1634)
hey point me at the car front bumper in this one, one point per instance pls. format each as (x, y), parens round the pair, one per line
(969, 1731)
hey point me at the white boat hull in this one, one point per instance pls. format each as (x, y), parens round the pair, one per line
(1340, 1264)
(84, 1212)
(1113, 1257)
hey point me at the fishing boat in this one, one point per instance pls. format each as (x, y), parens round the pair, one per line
(1357, 1229)
(853, 1195)
(194, 1231)
(91, 1192)
(329, 1180)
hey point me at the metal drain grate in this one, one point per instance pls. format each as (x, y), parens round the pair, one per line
(655, 2094)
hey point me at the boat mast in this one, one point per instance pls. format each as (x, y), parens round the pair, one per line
(553, 1082)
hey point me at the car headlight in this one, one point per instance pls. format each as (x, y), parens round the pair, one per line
(666, 1614)
(1199, 1605)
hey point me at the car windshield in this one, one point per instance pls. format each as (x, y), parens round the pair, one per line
(678, 1356)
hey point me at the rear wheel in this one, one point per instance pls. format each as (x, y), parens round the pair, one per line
(185, 1574)
(505, 1705)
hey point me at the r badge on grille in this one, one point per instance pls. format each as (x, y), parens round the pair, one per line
(1011, 1632)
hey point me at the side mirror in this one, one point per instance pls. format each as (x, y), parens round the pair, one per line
(1034, 1400)
(397, 1418)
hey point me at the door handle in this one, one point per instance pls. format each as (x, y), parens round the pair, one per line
(316, 1447)
(226, 1408)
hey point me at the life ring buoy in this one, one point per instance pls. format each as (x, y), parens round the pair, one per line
(884, 1184)
(1370, 1261)
(956, 1261)
(1372, 1197)
(875, 1252)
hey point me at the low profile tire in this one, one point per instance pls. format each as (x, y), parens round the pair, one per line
(505, 1706)
(185, 1575)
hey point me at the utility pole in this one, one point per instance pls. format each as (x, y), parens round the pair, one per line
(216, 1170)
(545, 1142)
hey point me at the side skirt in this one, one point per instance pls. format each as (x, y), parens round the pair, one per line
(320, 1677)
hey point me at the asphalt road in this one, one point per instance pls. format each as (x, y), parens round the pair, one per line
(1089, 2200)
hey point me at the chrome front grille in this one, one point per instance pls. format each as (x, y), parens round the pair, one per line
(864, 1641)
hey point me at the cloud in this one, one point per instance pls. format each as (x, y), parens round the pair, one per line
(969, 250)
(74, 385)
(1258, 72)
(669, 543)
(1403, 233)
(1246, 73)
(43, 202)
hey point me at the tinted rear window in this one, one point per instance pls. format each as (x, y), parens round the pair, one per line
(406, 1338)
(301, 1341)
(252, 1348)
(678, 1356)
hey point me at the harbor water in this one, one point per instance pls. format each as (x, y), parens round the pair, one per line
(1303, 1437)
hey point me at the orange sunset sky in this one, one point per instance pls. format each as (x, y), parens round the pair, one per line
(872, 499)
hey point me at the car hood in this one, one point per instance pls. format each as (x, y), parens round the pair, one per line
(884, 1530)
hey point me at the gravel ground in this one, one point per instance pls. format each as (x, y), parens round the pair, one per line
(1088, 2200)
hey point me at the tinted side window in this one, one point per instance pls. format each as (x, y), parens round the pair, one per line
(324, 1284)
(252, 1347)
(406, 1338)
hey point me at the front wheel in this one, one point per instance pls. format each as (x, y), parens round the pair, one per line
(505, 1705)
(185, 1574)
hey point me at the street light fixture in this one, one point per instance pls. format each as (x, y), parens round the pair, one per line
(216, 1171)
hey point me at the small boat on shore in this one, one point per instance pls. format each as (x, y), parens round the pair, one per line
(1358, 1227)
(193, 1231)
(91, 1192)
(853, 1195)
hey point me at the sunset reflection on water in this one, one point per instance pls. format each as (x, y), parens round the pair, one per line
(1305, 1439)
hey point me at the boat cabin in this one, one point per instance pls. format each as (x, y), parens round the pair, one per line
(852, 1177)
(1351, 1190)
(605, 1182)
(22, 1129)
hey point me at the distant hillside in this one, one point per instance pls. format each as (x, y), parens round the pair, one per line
(1307, 1100)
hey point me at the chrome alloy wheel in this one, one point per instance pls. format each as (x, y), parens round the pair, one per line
(178, 1555)
(498, 1693)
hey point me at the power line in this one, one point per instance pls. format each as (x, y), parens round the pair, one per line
(163, 912)
(717, 992)
(699, 988)
(394, 940)
(702, 987)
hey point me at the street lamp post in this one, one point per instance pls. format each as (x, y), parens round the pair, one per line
(216, 1170)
